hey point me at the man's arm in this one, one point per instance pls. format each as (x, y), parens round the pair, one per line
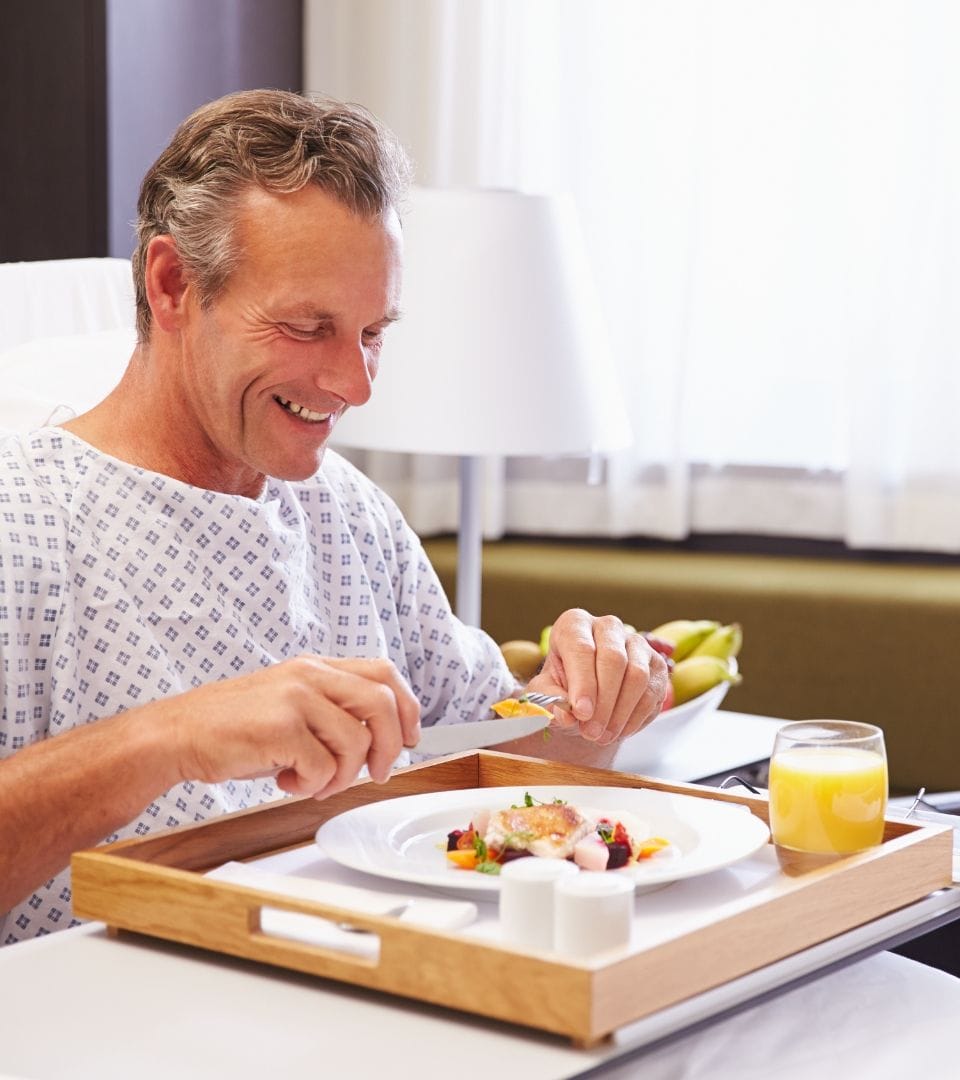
(69, 792)
(312, 722)
(563, 744)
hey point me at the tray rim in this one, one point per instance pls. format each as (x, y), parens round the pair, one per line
(154, 885)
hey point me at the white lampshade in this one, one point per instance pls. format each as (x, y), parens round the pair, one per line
(502, 348)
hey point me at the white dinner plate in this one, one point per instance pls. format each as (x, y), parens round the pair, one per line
(406, 838)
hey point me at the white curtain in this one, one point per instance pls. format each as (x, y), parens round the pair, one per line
(770, 193)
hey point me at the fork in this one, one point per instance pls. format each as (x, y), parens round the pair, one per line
(398, 909)
(545, 700)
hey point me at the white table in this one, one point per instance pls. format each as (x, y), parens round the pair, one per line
(80, 1005)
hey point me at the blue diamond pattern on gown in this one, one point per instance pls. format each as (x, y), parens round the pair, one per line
(120, 586)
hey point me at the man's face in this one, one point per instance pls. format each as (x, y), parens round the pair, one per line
(293, 339)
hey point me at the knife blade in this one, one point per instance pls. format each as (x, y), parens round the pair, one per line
(452, 738)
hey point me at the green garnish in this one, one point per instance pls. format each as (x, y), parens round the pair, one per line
(480, 847)
(529, 800)
(488, 866)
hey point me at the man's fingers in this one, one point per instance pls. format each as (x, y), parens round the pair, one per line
(595, 659)
(405, 707)
(372, 694)
(302, 780)
(642, 691)
(572, 640)
(386, 738)
(614, 680)
(333, 748)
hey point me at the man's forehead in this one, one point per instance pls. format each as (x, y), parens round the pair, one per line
(315, 257)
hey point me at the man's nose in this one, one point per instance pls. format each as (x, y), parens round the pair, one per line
(347, 371)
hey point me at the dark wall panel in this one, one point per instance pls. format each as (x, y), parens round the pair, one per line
(166, 57)
(91, 92)
(53, 201)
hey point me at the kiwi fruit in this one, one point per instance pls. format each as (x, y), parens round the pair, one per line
(523, 658)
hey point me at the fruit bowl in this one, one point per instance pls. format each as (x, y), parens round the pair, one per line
(642, 751)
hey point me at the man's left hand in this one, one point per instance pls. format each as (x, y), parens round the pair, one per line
(613, 679)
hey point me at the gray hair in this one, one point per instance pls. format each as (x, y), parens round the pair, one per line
(275, 139)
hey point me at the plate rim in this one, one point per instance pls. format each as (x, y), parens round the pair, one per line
(489, 885)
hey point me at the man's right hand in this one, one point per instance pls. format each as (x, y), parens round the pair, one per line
(312, 721)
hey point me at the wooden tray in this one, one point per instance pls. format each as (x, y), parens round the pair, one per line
(156, 886)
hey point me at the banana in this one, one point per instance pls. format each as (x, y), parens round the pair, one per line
(685, 634)
(698, 674)
(724, 642)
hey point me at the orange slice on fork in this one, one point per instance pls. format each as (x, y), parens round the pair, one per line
(511, 707)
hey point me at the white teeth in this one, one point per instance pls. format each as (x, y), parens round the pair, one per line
(302, 411)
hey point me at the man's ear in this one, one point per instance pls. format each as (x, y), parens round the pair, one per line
(166, 283)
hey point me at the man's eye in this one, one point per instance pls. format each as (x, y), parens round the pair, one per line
(373, 337)
(304, 331)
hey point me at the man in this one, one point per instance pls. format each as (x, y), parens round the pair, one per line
(199, 608)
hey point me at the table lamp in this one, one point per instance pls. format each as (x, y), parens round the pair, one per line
(501, 349)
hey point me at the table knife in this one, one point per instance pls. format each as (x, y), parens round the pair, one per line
(452, 738)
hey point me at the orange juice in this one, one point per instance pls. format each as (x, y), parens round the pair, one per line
(828, 799)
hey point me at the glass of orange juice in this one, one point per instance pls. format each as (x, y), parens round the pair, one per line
(828, 791)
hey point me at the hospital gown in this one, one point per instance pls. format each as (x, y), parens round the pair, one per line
(119, 586)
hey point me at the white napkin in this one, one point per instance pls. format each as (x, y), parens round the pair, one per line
(434, 913)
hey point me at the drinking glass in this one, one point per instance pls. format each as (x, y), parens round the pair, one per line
(828, 791)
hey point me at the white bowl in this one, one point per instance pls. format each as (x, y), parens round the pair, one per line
(642, 751)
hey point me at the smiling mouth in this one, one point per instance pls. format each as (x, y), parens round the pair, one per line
(302, 411)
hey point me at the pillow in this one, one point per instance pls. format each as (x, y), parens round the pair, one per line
(50, 297)
(48, 380)
(22, 411)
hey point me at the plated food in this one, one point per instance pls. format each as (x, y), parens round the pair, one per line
(594, 839)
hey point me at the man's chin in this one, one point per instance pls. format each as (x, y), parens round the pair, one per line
(301, 469)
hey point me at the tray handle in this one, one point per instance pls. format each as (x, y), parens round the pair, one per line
(340, 938)
(304, 935)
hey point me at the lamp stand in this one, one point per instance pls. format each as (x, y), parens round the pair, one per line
(470, 540)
